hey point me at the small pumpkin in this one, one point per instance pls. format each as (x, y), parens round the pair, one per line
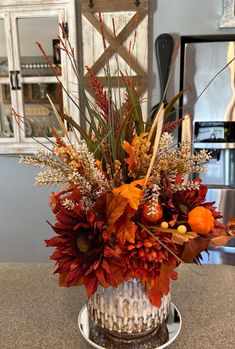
(201, 220)
(152, 212)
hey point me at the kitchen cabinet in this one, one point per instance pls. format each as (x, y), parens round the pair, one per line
(25, 76)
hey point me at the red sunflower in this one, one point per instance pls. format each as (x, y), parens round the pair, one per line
(81, 254)
(179, 205)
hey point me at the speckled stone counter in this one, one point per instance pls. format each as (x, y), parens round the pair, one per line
(36, 313)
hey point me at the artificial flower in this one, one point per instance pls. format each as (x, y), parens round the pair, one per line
(126, 204)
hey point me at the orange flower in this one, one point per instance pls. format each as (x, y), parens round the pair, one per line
(148, 260)
(131, 193)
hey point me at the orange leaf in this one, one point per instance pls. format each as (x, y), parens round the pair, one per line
(155, 297)
(131, 193)
(180, 238)
(219, 241)
(115, 207)
(125, 228)
(138, 145)
(161, 284)
(231, 222)
(99, 165)
(231, 232)
(193, 248)
(116, 272)
(131, 161)
(127, 232)
(231, 227)
(111, 206)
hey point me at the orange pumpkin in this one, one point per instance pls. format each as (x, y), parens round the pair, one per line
(157, 211)
(201, 220)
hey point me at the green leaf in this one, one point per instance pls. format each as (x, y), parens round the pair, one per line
(137, 111)
(91, 145)
(122, 131)
(101, 121)
(172, 102)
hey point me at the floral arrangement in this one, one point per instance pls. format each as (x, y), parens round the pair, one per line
(127, 208)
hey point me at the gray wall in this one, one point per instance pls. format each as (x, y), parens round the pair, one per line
(23, 208)
(23, 214)
(184, 17)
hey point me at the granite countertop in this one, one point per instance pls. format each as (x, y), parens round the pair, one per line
(36, 313)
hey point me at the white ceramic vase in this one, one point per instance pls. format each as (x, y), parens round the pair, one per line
(125, 312)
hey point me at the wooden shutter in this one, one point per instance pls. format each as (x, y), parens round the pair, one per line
(129, 47)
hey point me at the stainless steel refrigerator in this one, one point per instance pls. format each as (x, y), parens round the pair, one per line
(208, 78)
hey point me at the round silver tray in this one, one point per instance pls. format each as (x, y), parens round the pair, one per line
(87, 328)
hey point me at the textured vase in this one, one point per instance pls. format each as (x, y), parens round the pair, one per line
(125, 313)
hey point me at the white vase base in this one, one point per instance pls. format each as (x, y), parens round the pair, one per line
(92, 334)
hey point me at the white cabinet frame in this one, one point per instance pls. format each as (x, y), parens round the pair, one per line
(6, 81)
(11, 11)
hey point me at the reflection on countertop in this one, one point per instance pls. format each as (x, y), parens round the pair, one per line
(221, 255)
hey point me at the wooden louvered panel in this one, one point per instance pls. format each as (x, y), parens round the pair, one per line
(113, 5)
(130, 21)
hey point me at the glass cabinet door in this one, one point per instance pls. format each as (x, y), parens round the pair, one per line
(8, 131)
(25, 75)
(39, 118)
(4, 70)
(45, 31)
(37, 79)
(6, 119)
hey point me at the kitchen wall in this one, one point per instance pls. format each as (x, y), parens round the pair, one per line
(23, 208)
(183, 17)
(23, 214)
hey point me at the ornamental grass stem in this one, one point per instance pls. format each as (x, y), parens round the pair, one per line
(159, 126)
(20, 120)
(59, 119)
